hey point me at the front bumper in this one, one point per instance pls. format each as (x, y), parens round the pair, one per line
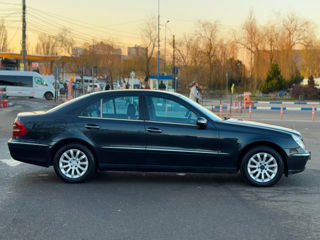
(28, 152)
(297, 162)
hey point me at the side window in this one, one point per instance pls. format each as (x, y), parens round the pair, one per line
(125, 107)
(39, 81)
(92, 110)
(166, 110)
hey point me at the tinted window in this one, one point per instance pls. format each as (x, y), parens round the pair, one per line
(19, 81)
(92, 110)
(166, 110)
(125, 107)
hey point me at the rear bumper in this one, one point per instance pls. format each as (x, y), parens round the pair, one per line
(33, 153)
(297, 162)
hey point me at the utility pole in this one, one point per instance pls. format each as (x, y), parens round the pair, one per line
(165, 46)
(147, 65)
(24, 25)
(158, 78)
(174, 62)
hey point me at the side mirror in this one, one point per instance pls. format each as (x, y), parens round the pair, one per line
(202, 122)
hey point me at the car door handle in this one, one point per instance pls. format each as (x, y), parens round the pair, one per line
(154, 130)
(92, 126)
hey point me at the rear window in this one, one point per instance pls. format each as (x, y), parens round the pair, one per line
(18, 81)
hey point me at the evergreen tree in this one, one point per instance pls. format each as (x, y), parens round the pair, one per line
(274, 80)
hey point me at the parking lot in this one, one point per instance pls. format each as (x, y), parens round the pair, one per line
(35, 204)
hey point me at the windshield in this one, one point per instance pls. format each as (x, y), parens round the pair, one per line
(204, 110)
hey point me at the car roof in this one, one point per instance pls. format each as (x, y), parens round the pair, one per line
(138, 91)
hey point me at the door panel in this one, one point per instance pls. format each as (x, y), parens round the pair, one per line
(174, 139)
(182, 145)
(115, 127)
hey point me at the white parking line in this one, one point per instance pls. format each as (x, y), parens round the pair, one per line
(10, 162)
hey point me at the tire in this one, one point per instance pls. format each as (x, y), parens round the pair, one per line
(262, 166)
(48, 96)
(74, 163)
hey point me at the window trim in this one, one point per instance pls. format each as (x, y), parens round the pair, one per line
(172, 123)
(140, 99)
(187, 106)
(102, 118)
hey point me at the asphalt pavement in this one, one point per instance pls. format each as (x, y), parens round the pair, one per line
(35, 204)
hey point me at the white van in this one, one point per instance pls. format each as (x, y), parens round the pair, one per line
(88, 80)
(25, 84)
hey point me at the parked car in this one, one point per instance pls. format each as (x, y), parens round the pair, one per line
(145, 130)
(26, 84)
(96, 88)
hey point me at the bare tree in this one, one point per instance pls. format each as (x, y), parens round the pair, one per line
(64, 41)
(297, 31)
(3, 37)
(250, 40)
(149, 39)
(46, 45)
(207, 35)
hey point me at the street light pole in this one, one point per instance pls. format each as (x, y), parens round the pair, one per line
(24, 24)
(158, 42)
(165, 46)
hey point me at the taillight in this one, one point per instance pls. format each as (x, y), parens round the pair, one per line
(18, 128)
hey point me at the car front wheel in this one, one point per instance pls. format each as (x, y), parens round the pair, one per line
(74, 163)
(262, 166)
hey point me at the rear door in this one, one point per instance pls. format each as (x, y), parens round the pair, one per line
(115, 125)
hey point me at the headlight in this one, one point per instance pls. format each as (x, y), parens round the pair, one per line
(298, 141)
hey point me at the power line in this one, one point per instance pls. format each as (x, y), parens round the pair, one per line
(80, 23)
(49, 21)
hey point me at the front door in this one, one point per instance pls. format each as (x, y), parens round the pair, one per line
(173, 138)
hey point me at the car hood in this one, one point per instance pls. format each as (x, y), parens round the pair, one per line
(265, 126)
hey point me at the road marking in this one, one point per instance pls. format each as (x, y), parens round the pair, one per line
(10, 162)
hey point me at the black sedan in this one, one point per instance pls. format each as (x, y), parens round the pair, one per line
(143, 130)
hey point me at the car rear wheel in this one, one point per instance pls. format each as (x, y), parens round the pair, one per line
(74, 163)
(262, 166)
(48, 96)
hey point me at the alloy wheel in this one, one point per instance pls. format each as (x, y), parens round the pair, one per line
(262, 167)
(73, 163)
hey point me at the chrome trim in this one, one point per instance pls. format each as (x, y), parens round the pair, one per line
(28, 143)
(300, 155)
(117, 119)
(124, 148)
(185, 151)
(101, 104)
(165, 150)
(183, 124)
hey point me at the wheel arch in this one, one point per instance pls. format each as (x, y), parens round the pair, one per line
(268, 144)
(69, 141)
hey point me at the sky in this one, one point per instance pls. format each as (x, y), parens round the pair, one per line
(122, 20)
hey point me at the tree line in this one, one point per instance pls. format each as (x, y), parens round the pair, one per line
(246, 57)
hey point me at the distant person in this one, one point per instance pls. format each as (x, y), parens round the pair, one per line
(127, 85)
(108, 87)
(146, 83)
(194, 92)
(162, 86)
